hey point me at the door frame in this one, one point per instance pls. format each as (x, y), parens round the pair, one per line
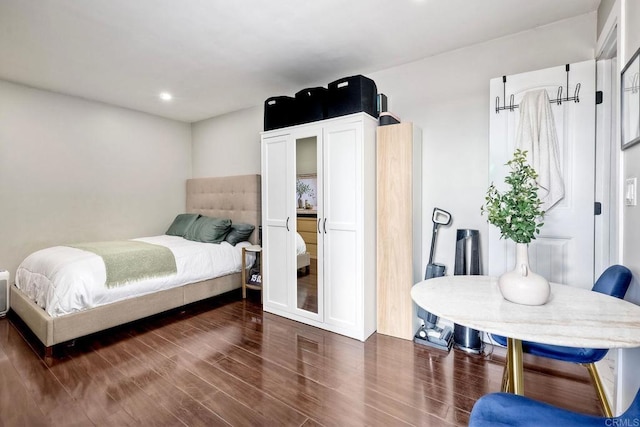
(608, 155)
(617, 365)
(607, 191)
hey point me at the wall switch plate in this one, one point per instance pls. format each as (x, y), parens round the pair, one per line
(630, 191)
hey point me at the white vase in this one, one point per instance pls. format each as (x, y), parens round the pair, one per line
(521, 285)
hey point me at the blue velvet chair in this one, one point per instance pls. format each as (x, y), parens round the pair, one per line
(613, 281)
(506, 409)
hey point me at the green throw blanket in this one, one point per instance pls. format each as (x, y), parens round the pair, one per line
(128, 261)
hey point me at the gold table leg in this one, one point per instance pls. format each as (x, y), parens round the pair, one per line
(606, 408)
(506, 382)
(515, 381)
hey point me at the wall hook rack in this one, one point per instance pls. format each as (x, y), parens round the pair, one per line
(558, 100)
(635, 84)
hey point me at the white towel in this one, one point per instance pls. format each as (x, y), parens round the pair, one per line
(537, 135)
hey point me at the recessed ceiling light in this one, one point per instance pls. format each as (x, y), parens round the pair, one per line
(166, 96)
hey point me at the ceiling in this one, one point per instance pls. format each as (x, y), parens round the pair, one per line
(221, 56)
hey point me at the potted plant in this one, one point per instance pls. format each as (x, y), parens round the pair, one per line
(518, 215)
(302, 188)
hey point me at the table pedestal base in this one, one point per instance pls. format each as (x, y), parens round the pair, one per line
(513, 375)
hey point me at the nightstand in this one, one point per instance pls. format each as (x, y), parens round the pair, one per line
(256, 249)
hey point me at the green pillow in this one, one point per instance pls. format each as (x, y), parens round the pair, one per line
(181, 224)
(239, 233)
(208, 230)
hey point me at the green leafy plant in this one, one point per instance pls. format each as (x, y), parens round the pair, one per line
(516, 212)
(302, 188)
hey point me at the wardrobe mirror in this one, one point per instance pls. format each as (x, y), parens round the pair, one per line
(306, 221)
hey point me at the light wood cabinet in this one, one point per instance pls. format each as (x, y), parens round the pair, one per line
(344, 230)
(399, 227)
(307, 228)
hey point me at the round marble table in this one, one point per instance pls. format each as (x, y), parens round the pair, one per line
(572, 317)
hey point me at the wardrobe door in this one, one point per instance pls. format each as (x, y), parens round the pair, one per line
(342, 180)
(278, 222)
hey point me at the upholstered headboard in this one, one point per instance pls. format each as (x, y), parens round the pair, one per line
(233, 197)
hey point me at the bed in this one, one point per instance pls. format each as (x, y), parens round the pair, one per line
(303, 259)
(236, 198)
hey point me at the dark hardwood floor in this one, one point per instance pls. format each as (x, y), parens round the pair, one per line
(225, 362)
(307, 287)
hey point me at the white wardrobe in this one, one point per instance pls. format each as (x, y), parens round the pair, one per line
(338, 291)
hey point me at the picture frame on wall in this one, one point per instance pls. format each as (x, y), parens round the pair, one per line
(630, 102)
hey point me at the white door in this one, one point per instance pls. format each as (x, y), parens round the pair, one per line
(343, 188)
(564, 250)
(278, 221)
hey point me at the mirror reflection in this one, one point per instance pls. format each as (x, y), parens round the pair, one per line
(307, 237)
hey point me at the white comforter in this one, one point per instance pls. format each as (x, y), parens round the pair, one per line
(301, 247)
(65, 280)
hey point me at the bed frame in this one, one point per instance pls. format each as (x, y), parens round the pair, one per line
(235, 197)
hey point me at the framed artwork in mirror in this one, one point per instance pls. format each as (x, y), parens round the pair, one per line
(630, 102)
(307, 191)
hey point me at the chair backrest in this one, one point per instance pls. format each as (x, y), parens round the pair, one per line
(613, 281)
(633, 412)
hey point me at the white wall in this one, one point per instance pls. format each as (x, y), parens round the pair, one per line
(631, 157)
(448, 97)
(72, 170)
(228, 144)
(629, 360)
(631, 35)
(604, 9)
